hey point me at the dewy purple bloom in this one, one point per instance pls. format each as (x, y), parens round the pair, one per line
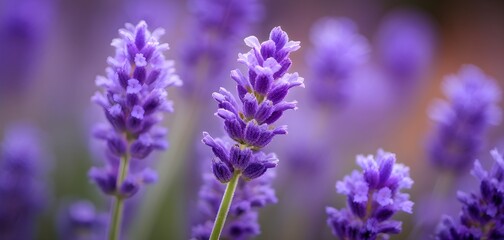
(406, 42)
(81, 221)
(134, 99)
(461, 122)
(261, 94)
(249, 197)
(482, 215)
(22, 195)
(373, 197)
(338, 50)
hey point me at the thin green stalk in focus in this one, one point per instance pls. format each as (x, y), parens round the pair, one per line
(116, 216)
(224, 207)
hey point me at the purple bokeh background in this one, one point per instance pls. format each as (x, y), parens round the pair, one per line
(50, 55)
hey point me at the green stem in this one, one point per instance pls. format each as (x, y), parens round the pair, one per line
(224, 207)
(116, 217)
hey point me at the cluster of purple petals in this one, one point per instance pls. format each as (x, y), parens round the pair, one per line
(373, 197)
(134, 99)
(22, 196)
(338, 50)
(81, 221)
(242, 222)
(219, 24)
(249, 121)
(482, 215)
(461, 122)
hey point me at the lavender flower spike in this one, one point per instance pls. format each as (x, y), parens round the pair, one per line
(249, 121)
(338, 50)
(261, 95)
(482, 215)
(463, 120)
(25, 26)
(373, 197)
(133, 98)
(22, 194)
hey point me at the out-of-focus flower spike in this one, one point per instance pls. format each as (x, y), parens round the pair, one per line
(406, 42)
(462, 121)
(25, 25)
(338, 51)
(23, 166)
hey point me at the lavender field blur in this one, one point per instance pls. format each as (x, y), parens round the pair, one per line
(420, 79)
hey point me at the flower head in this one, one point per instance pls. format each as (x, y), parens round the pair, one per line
(373, 197)
(134, 97)
(462, 121)
(249, 121)
(482, 215)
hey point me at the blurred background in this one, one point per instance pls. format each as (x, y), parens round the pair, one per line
(51, 51)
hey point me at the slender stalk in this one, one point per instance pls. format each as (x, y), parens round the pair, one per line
(224, 207)
(117, 211)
